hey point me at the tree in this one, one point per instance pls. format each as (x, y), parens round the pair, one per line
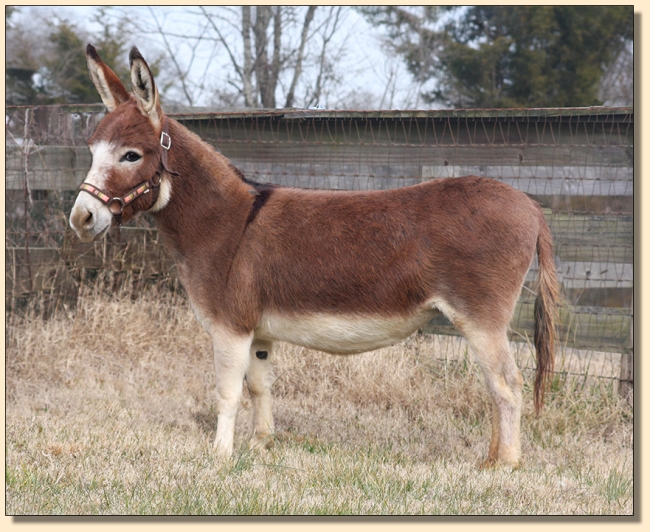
(262, 53)
(65, 76)
(508, 56)
(47, 59)
(617, 83)
(66, 72)
(22, 54)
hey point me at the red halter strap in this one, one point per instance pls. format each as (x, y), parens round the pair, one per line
(116, 204)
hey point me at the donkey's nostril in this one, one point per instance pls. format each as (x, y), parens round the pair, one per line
(88, 219)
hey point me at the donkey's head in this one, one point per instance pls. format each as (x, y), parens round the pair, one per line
(128, 172)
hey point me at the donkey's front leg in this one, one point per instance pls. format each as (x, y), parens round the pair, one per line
(231, 360)
(259, 379)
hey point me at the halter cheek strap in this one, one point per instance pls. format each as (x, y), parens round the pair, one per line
(165, 144)
(116, 204)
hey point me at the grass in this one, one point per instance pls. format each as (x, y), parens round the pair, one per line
(110, 410)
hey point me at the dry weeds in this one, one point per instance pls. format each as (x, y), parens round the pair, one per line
(110, 410)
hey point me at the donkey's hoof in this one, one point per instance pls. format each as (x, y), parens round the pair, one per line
(222, 452)
(263, 440)
(489, 463)
(494, 463)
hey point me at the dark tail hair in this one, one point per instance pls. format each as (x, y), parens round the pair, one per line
(545, 313)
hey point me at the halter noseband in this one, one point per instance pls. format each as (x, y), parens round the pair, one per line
(116, 204)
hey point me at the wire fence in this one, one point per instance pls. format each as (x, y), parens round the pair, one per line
(577, 163)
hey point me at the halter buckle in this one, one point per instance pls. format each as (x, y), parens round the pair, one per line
(165, 141)
(120, 204)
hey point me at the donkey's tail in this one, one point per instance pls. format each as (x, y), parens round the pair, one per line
(545, 313)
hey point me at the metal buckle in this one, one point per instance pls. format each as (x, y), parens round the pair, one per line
(121, 204)
(168, 144)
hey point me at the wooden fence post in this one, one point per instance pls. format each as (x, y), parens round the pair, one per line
(626, 380)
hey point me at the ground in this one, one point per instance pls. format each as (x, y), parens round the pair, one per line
(110, 410)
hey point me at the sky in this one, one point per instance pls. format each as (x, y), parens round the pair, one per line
(367, 74)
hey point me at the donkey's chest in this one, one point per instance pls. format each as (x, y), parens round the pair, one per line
(339, 333)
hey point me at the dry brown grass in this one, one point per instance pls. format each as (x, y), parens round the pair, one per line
(110, 410)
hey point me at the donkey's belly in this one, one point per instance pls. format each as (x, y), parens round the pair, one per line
(340, 334)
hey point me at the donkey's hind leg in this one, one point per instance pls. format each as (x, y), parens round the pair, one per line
(504, 383)
(259, 379)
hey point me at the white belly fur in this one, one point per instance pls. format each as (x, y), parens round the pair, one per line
(339, 334)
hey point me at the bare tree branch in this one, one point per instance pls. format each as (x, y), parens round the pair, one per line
(181, 75)
(269, 62)
(301, 51)
(223, 41)
(326, 39)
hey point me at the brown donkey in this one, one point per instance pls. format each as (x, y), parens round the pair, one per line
(337, 271)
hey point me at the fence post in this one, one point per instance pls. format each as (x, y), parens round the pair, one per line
(626, 380)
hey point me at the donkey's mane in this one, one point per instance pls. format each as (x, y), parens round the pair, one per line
(255, 184)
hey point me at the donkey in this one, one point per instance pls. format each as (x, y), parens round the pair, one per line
(337, 271)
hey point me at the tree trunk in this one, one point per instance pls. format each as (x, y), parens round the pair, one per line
(262, 70)
(276, 65)
(247, 74)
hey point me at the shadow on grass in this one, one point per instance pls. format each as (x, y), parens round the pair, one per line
(206, 420)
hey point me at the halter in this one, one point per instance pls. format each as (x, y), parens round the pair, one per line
(116, 204)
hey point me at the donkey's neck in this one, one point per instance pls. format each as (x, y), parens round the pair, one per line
(209, 202)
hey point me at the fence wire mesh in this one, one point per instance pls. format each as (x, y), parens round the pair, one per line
(577, 163)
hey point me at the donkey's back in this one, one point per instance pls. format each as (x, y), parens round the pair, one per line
(463, 245)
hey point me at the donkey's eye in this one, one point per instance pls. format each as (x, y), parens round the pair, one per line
(130, 156)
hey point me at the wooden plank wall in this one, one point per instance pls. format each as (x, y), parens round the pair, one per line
(576, 163)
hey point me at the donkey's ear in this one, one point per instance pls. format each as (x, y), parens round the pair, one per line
(144, 87)
(110, 88)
